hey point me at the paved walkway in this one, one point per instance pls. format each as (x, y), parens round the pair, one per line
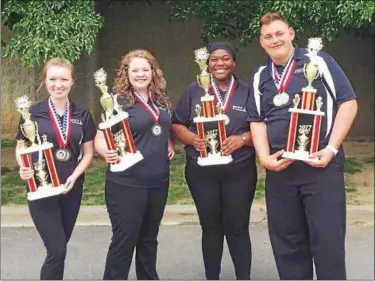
(18, 215)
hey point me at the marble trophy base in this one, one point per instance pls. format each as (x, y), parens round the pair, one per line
(45, 191)
(214, 159)
(126, 161)
(113, 120)
(299, 155)
(34, 148)
(217, 117)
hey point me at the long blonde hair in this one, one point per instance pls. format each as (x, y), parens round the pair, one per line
(57, 62)
(157, 86)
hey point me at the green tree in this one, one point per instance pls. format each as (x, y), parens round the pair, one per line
(49, 28)
(239, 19)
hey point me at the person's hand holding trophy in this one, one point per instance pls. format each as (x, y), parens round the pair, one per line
(45, 181)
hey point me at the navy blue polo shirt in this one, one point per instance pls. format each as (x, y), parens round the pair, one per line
(83, 130)
(184, 114)
(153, 170)
(331, 84)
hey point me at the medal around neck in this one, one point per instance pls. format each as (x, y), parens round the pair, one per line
(281, 99)
(121, 141)
(63, 154)
(303, 138)
(211, 155)
(46, 182)
(157, 130)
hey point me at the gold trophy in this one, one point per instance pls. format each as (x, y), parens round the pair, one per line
(204, 78)
(30, 130)
(308, 134)
(122, 141)
(213, 156)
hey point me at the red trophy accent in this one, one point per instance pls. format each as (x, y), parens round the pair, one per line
(200, 128)
(292, 131)
(51, 167)
(308, 134)
(26, 163)
(122, 141)
(130, 146)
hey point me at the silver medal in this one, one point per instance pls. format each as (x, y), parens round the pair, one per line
(156, 130)
(63, 154)
(280, 99)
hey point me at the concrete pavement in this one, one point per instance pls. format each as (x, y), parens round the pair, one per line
(179, 253)
(18, 215)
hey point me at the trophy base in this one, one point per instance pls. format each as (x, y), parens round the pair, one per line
(217, 117)
(214, 159)
(45, 191)
(113, 120)
(30, 149)
(302, 156)
(126, 161)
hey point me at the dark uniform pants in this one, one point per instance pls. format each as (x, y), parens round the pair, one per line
(54, 219)
(307, 220)
(135, 215)
(223, 196)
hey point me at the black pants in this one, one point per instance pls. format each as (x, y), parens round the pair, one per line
(306, 219)
(223, 196)
(135, 215)
(54, 219)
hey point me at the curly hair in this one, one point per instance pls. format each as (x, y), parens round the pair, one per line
(157, 86)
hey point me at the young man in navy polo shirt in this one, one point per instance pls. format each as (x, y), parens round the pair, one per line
(305, 200)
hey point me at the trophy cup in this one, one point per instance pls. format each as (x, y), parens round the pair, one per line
(30, 130)
(307, 140)
(210, 114)
(122, 141)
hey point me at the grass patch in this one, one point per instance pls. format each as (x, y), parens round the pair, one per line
(5, 143)
(13, 189)
(352, 166)
(260, 190)
(178, 189)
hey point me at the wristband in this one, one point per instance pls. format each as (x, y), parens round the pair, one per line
(331, 148)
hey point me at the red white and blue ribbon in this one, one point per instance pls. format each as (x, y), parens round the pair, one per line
(62, 129)
(153, 109)
(223, 100)
(282, 80)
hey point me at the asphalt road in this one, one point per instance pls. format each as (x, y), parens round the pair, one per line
(22, 253)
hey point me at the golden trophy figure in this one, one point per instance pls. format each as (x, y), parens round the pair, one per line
(210, 114)
(122, 141)
(307, 140)
(38, 144)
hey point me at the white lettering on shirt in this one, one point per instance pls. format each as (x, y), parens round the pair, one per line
(77, 121)
(239, 108)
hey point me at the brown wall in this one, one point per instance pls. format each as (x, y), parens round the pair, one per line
(141, 25)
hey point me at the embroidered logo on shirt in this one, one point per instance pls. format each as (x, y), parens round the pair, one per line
(239, 108)
(77, 121)
(298, 70)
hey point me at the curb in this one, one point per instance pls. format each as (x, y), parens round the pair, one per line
(19, 216)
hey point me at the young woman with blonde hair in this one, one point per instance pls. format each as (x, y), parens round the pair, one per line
(71, 129)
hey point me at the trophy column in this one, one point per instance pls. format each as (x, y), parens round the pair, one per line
(25, 158)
